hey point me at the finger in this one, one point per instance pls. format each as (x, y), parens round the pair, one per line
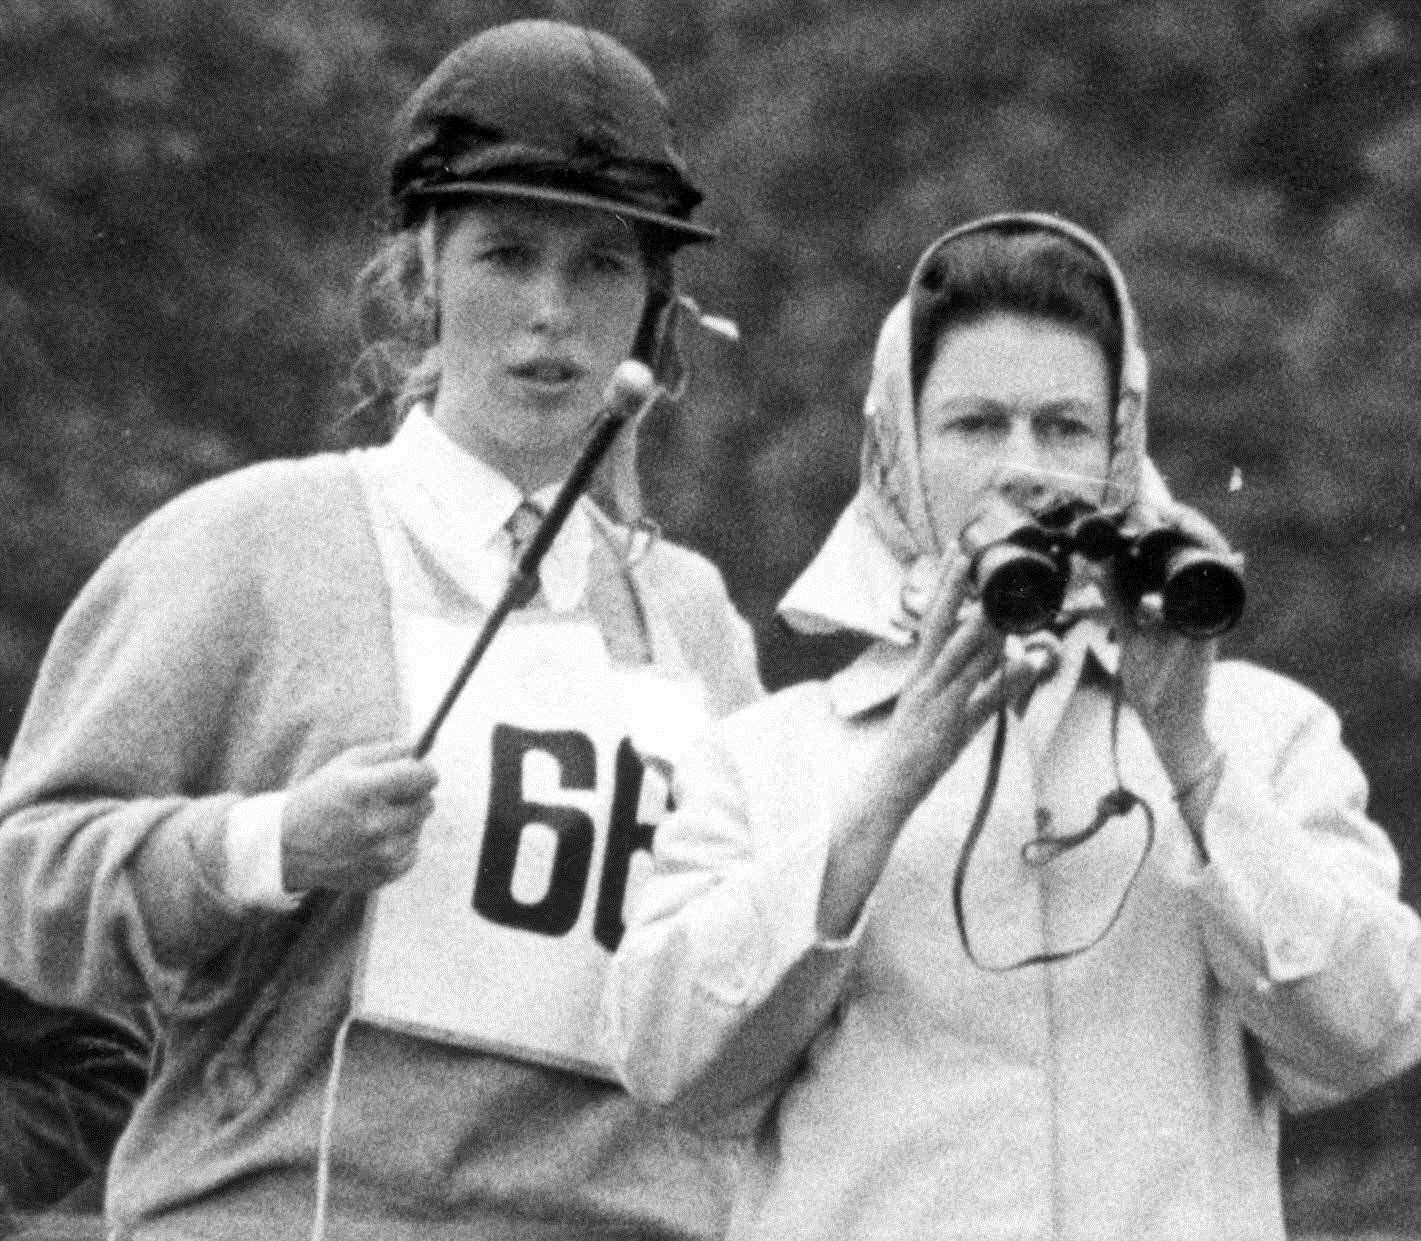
(1042, 652)
(405, 822)
(399, 854)
(1011, 679)
(967, 675)
(1148, 616)
(940, 620)
(404, 781)
(975, 642)
(1021, 675)
(394, 827)
(1126, 618)
(372, 754)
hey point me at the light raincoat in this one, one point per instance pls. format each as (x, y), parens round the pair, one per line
(897, 1090)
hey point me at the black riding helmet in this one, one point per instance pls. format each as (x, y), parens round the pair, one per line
(551, 112)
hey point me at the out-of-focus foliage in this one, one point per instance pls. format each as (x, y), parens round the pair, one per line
(191, 185)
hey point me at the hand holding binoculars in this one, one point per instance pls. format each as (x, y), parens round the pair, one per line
(1020, 566)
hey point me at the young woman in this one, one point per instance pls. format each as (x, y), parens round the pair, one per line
(1013, 939)
(372, 969)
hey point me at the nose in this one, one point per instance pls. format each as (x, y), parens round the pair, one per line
(1023, 476)
(550, 301)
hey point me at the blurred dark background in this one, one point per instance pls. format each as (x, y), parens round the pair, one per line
(190, 186)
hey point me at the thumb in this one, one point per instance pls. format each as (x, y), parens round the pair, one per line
(1037, 662)
(1020, 667)
(403, 781)
(374, 753)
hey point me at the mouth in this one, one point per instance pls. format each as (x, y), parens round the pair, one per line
(547, 374)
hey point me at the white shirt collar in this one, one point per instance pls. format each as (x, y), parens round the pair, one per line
(456, 505)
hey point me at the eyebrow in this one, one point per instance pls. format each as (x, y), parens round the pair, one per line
(989, 405)
(1066, 405)
(518, 230)
(978, 405)
(486, 230)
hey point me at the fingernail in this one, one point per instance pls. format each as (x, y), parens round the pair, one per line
(1043, 654)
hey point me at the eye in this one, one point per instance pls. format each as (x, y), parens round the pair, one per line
(972, 423)
(608, 261)
(508, 255)
(1066, 427)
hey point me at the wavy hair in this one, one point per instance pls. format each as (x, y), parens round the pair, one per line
(1015, 269)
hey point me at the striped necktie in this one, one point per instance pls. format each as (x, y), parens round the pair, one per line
(521, 525)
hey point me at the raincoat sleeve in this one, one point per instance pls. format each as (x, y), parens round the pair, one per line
(1301, 915)
(722, 981)
(111, 845)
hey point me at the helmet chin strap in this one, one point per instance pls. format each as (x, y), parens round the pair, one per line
(655, 331)
(429, 260)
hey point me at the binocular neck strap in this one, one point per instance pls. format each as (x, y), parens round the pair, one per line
(1043, 850)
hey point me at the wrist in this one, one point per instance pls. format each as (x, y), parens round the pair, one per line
(1184, 753)
(1204, 770)
(1194, 795)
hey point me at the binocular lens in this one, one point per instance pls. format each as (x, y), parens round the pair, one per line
(1203, 597)
(1022, 588)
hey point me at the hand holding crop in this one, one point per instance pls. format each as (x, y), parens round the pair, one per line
(354, 824)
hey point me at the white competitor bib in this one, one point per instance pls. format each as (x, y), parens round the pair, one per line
(553, 772)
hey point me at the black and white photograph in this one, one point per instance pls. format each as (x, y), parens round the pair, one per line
(739, 620)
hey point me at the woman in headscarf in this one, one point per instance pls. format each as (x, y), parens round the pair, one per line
(376, 995)
(1009, 937)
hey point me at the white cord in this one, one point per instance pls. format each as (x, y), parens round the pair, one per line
(328, 1114)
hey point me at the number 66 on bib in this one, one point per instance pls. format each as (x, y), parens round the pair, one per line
(499, 936)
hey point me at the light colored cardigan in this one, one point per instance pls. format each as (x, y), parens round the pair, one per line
(234, 642)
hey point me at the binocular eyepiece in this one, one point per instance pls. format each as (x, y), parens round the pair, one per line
(1021, 567)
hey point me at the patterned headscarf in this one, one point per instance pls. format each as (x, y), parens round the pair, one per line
(883, 546)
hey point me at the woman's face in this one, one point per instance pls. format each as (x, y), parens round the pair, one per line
(1017, 404)
(538, 303)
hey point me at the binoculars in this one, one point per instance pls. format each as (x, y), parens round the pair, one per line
(1020, 566)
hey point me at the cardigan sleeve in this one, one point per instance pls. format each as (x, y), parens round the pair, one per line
(1301, 916)
(111, 829)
